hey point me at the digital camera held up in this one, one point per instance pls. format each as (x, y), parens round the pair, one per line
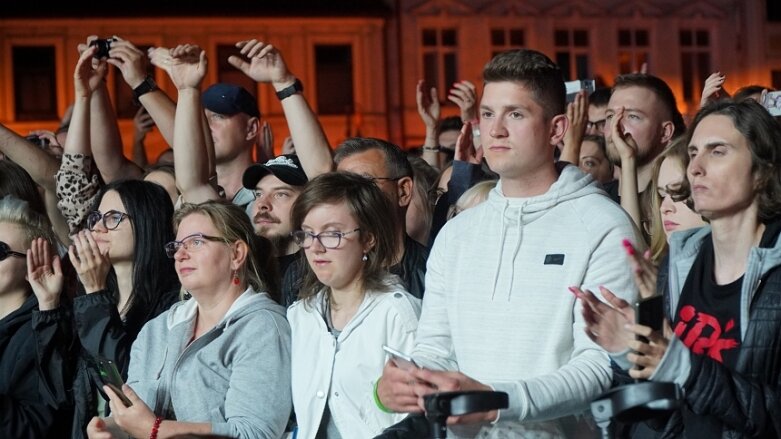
(104, 45)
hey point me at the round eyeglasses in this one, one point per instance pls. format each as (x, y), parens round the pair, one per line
(329, 239)
(111, 219)
(190, 243)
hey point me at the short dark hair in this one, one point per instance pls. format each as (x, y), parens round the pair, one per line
(662, 91)
(747, 91)
(599, 97)
(452, 123)
(535, 71)
(396, 163)
(763, 136)
(373, 212)
(599, 140)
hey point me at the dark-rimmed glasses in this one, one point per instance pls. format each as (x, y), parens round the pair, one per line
(329, 239)
(111, 219)
(598, 125)
(191, 243)
(5, 251)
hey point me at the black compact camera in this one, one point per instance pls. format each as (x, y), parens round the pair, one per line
(104, 45)
(40, 142)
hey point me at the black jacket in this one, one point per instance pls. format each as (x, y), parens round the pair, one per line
(23, 414)
(68, 340)
(747, 400)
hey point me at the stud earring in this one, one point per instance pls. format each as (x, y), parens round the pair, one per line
(236, 280)
(365, 257)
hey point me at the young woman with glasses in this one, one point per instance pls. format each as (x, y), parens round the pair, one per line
(127, 280)
(219, 363)
(349, 304)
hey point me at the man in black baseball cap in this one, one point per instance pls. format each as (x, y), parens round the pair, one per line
(276, 185)
(234, 121)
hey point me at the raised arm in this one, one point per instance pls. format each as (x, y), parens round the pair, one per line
(577, 113)
(267, 65)
(188, 68)
(429, 111)
(627, 150)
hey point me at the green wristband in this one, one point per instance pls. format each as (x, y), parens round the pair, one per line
(377, 399)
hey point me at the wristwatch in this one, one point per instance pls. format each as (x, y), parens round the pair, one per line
(145, 87)
(290, 90)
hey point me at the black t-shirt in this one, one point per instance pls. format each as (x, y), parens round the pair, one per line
(707, 321)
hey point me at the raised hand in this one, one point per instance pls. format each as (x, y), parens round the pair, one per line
(577, 114)
(464, 94)
(624, 143)
(131, 61)
(428, 105)
(188, 66)
(44, 273)
(644, 270)
(465, 147)
(88, 75)
(605, 322)
(713, 89)
(160, 57)
(91, 265)
(143, 123)
(265, 63)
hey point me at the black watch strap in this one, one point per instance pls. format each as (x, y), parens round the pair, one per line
(145, 87)
(290, 90)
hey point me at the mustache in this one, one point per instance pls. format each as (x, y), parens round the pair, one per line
(264, 216)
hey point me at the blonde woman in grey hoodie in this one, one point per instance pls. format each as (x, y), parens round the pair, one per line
(220, 362)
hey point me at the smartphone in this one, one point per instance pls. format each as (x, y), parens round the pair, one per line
(109, 375)
(402, 361)
(772, 102)
(573, 87)
(650, 312)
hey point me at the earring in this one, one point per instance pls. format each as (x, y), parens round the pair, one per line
(365, 257)
(236, 280)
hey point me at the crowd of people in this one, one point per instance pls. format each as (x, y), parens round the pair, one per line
(223, 291)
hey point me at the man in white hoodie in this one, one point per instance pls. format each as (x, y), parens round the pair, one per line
(497, 313)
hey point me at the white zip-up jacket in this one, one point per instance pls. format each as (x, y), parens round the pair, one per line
(497, 305)
(341, 372)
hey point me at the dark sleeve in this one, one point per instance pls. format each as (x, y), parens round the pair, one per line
(56, 355)
(101, 330)
(748, 406)
(464, 176)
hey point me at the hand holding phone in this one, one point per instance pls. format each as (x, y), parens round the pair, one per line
(109, 375)
(401, 360)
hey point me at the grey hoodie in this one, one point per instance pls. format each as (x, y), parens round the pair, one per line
(236, 376)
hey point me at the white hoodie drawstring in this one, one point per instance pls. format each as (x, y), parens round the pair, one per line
(501, 244)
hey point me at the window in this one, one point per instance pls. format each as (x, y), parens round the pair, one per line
(440, 61)
(572, 53)
(503, 40)
(229, 74)
(123, 94)
(632, 49)
(35, 82)
(775, 79)
(695, 61)
(334, 64)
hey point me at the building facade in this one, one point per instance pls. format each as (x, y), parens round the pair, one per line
(360, 61)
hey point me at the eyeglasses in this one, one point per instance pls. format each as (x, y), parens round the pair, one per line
(191, 243)
(111, 219)
(598, 125)
(328, 239)
(375, 179)
(5, 251)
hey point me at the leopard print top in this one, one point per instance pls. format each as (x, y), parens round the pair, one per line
(77, 187)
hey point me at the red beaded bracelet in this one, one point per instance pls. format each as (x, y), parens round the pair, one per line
(158, 421)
